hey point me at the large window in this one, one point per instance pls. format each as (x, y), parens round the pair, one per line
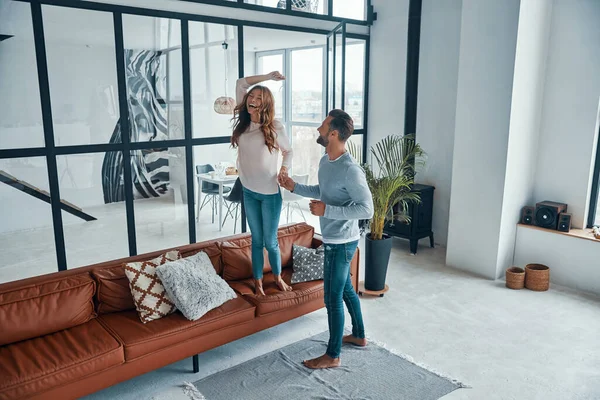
(109, 122)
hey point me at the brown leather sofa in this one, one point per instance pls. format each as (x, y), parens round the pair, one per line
(68, 334)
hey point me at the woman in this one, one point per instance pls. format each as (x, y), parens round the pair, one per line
(260, 139)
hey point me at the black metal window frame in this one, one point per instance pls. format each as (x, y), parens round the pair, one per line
(593, 210)
(51, 151)
(371, 16)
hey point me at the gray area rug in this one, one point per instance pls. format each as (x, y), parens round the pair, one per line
(371, 372)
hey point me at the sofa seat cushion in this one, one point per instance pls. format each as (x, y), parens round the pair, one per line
(276, 300)
(35, 365)
(140, 339)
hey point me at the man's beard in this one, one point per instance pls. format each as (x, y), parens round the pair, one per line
(322, 141)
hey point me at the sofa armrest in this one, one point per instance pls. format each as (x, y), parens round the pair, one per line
(354, 264)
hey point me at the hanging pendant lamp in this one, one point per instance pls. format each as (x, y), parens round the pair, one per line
(224, 104)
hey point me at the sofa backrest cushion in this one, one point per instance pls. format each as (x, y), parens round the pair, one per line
(114, 293)
(46, 307)
(236, 254)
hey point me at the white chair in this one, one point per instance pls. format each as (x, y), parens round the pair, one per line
(291, 199)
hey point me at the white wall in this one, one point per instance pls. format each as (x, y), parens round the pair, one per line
(387, 70)
(573, 261)
(567, 141)
(525, 115)
(436, 103)
(485, 76)
(572, 91)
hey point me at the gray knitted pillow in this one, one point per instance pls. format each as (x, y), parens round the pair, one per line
(307, 263)
(194, 286)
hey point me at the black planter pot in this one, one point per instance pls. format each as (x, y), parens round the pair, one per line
(377, 257)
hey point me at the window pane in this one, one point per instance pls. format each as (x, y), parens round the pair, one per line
(330, 88)
(355, 80)
(26, 232)
(214, 157)
(307, 152)
(93, 184)
(307, 85)
(357, 141)
(82, 74)
(20, 111)
(160, 198)
(268, 63)
(214, 71)
(268, 3)
(354, 9)
(339, 42)
(154, 77)
(311, 6)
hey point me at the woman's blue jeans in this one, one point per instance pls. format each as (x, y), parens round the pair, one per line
(263, 211)
(338, 287)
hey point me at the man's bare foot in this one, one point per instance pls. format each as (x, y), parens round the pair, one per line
(322, 362)
(258, 287)
(284, 287)
(354, 340)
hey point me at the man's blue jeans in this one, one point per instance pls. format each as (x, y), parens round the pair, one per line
(338, 287)
(263, 211)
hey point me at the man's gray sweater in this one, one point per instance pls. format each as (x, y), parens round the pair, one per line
(344, 190)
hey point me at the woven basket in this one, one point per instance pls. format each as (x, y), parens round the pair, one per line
(537, 277)
(515, 278)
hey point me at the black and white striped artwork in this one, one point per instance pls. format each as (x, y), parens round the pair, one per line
(146, 80)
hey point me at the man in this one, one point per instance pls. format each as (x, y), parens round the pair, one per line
(343, 198)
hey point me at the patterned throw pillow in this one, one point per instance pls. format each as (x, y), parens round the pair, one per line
(149, 295)
(307, 263)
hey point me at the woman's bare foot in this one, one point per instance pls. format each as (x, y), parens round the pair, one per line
(322, 362)
(284, 287)
(354, 340)
(258, 287)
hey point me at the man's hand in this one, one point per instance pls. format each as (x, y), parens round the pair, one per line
(275, 76)
(286, 182)
(317, 208)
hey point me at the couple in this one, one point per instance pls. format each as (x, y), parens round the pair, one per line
(342, 193)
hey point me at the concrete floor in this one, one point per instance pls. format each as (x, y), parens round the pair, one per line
(505, 344)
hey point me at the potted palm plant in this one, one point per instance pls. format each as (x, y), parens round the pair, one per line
(390, 176)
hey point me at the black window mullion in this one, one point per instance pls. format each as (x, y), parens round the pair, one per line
(42, 66)
(327, 76)
(333, 60)
(365, 126)
(343, 83)
(241, 75)
(187, 115)
(20, 153)
(595, 189)
(125, 131)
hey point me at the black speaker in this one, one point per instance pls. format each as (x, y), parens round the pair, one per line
(564, 222)
(546, 214)
(527, 215)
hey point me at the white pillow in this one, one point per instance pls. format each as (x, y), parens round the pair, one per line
(194, 286)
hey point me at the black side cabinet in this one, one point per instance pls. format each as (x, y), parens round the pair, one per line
(420, 219)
